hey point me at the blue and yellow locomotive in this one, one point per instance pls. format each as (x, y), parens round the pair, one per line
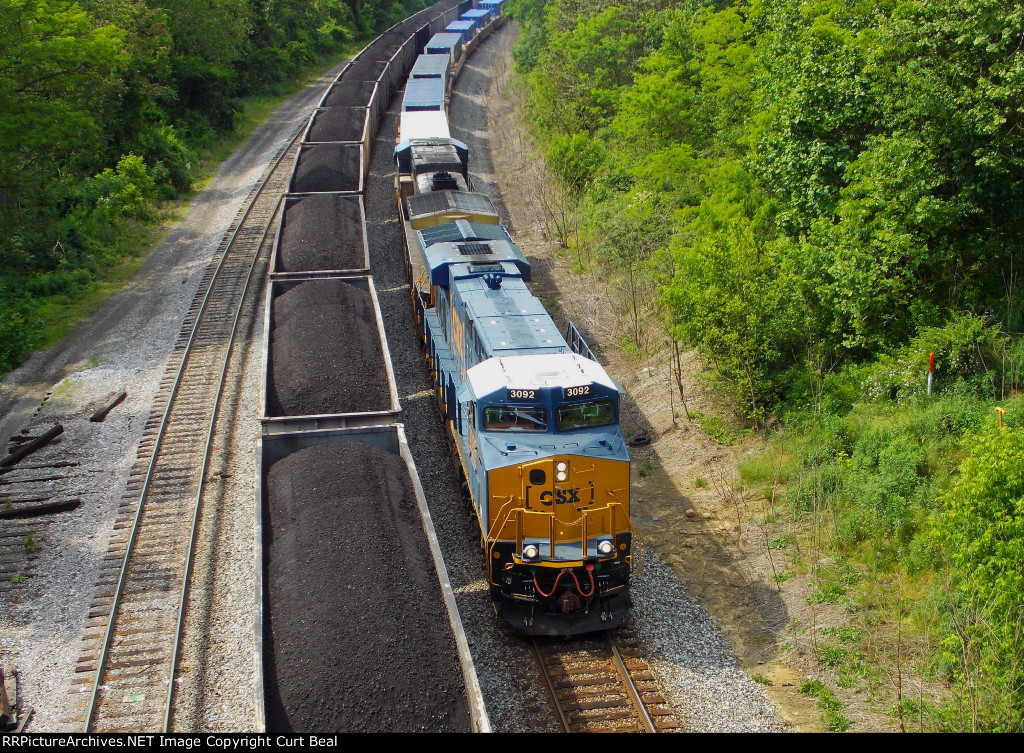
(533, 418)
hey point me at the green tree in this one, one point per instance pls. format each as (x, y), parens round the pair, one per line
(54, 64)
(982, 526)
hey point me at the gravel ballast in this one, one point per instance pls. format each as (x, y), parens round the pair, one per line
(326, 355)
(322, 232)
(357, 637)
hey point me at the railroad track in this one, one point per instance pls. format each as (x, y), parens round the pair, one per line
(128, 664)
(603, 684)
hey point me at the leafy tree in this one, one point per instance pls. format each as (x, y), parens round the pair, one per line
(982, 526)
(54, 63)
(575, 160)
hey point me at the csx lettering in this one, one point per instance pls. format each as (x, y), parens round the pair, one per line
(577, 391)
(562, 497)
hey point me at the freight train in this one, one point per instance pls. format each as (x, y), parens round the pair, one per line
(533, 418)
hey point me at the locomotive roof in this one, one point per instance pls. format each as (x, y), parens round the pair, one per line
(508, 319)
(536, 371)
(430, 66)
(446, 201)
(464, 259)
(462, 230)
(423, 124)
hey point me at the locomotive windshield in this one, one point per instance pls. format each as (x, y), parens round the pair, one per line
(515, 418)
(584, 415)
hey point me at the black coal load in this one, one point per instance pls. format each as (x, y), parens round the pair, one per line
(350, 94)
(389, 42)
(364, 70)
(338, 124)
(321, 232)
(357, 638)
(326, 355)
(327, 167)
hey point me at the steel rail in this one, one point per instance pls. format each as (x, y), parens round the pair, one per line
(206, 456)
(94, 694)
(634, 694)
(630, 701)
(566, 727)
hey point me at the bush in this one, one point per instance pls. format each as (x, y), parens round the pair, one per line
(969, 361)
(982, 528)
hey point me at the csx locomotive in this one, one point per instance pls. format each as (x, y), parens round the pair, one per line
(533, 418)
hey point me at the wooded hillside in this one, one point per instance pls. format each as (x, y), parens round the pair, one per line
(104, 105)
(817, 195)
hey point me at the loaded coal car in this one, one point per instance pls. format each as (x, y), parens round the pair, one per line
(535, 427)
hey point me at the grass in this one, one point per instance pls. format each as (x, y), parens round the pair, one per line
(717, 428)
(833, 710)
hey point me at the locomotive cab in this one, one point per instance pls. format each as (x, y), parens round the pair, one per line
(549, 474)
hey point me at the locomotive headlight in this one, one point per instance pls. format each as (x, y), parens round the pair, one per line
(605, 547)
(561, 470)
(530, 552)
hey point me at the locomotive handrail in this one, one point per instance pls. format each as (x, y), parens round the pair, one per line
(577, 343)
(505, 514)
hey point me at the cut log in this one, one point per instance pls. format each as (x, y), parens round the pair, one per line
(32, 446)
(102, 412)
(30, 511)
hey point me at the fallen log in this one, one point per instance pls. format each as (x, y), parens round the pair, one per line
(36, 466)
(102, 412)
(30, 447)
(31, 511)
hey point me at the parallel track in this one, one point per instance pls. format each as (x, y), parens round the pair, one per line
(600, 685)
(135, 623)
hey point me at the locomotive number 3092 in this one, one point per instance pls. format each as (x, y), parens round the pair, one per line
(577, 391)
(522, 394)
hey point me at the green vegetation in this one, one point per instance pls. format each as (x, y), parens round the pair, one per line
(110, 107)
(833, 710)
(817, 195)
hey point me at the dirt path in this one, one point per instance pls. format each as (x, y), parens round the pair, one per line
(687, 504)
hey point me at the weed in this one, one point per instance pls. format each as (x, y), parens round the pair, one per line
(716, 428)
(30, 543)
(645, 470)
(833, 710)
(828, 591)
(19, 578)
(783, 576)
(762, 680)
(832, 656)
(700, 482)
(846, 633)
(783, 542)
